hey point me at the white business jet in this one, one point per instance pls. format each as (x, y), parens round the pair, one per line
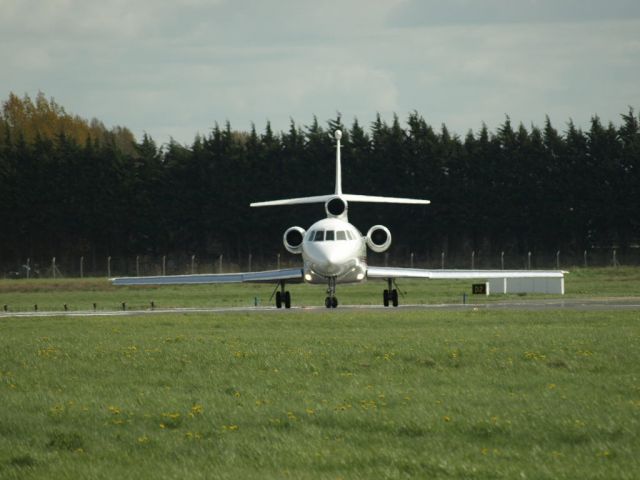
(334, 251)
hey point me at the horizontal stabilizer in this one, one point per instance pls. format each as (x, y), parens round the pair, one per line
(345, 196)
(376, 199)
(293, 201)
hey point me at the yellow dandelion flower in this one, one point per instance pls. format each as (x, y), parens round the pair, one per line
(446, 418)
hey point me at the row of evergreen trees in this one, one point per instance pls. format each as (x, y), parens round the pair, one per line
(70, 187)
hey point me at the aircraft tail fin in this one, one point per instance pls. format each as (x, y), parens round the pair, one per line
(345, 197)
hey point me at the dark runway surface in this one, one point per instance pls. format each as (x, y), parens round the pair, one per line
(585, 304)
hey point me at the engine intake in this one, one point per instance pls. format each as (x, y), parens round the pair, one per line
(335, 207)
(378, 238)
(292, 239)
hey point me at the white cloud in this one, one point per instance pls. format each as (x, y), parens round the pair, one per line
(474, 12)
(175, 68)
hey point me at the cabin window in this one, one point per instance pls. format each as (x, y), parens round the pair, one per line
(330, 236)
(319, 236)
(341, 235)
(311, 235)
(349, 235)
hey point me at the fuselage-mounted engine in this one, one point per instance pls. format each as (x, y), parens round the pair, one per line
(293, 238)
(336, 207)
(378, 238)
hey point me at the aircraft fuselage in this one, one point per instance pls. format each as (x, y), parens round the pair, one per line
(334, 248)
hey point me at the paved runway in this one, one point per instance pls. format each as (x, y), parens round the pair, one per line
(592, 304)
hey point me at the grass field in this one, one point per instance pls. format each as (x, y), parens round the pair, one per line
(326, 394)
(48, 294)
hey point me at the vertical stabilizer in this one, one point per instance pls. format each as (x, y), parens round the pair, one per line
(338, 136)
(336, 203)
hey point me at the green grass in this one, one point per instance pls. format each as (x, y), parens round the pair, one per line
(325, 394)
(48, 294)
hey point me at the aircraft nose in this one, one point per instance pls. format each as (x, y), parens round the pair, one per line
(334, 263)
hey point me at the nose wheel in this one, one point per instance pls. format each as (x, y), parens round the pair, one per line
(331, 301)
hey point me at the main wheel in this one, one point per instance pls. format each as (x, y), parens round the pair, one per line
(278, 300)
(385, 297)
(287, 299)
(394, 297)
(327, 302)
(334, 302)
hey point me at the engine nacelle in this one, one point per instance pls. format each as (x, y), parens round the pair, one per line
(336, 207)
(292, 239)
(378, 238)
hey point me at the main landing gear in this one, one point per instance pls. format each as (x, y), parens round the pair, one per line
(390, 295)
(282, 296)
(331, 301)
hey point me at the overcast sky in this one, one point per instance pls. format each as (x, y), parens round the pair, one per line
(175, 68)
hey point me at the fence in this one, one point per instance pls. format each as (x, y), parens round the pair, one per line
(80, 266)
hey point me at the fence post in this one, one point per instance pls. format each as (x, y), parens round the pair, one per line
(502, 260)
(558, 260)
(193, 264)
(220, 264)
(81, 267)
(473, 259)
(53, 267)
(529, 261)
(278, 261)
(109, 267)
(28, 268)
(250, 258)
(164, 265)
(137, 265)
(411, 260)
(615, 258)
(585, 259)
(442, 260)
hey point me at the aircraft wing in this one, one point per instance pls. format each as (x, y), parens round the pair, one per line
(441, 274)
(291, 275)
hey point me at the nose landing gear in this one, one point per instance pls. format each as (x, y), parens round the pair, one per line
(331, 301)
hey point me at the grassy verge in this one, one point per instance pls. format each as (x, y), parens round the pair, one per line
(23, 295)
(394, 394)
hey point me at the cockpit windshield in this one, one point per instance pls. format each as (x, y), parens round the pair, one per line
(331, 235)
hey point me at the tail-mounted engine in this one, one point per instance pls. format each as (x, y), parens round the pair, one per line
(336, 207)
(378, 238)
(292, 239)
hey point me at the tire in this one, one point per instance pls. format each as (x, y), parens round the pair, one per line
(394, 297)
(327, 302)
(287, 299)
(334, 302)
(278, 300)
(385, 298)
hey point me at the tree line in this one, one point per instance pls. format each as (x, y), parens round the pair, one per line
(70, 187)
